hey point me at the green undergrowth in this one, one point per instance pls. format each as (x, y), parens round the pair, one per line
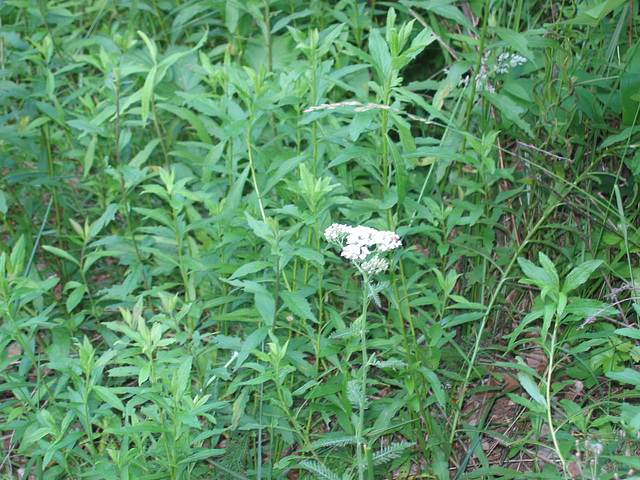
(171, 308)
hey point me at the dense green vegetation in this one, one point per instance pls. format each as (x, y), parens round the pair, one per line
(175, 304)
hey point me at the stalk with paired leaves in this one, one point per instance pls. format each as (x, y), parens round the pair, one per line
(362, 246)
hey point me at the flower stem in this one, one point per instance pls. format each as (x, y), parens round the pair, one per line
(363, 370)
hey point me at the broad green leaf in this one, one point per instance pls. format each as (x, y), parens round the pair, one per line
(329, 37)
(181, 379)
(75, 297)
(517, 41)
(169, 60)
(18, 253)
(629, 332)
(105, 219)
(251, 267)
(231, 15)
(628, 376)
(251, 343)
(147, 426)
(550, 268)
(351, 152)
(532, 388)
(89, 157)
(206, 454)
(580, 275)
(62, 254)
(107, 396)
(360, 123)
(261, 229)
(309, 255)
(234, 197)
(583, 308)
(147, 92)
(4, 208)
(631, 462)
(404, 130)
(87, 127)
(535, 275)
(442, 8)
(190, 117)
(629, 86)
(153, 50)
(596, 14)
(284, 21)
(510, 110)
(380, 54)
(143, 155)
(436, 385)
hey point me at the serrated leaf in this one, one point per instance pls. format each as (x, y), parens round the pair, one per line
(319, 470)
(298, 304)
(337, 441)
(387, 454)
(345, 332)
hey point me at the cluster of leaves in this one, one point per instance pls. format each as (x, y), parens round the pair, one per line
(170, 308)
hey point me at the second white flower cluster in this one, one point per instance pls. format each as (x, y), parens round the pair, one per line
(359, 243)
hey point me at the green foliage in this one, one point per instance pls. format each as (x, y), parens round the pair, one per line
(170, 307)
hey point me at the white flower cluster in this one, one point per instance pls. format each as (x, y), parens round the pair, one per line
(507, 61)
(358, 243)
(504, 63)
(375, 265)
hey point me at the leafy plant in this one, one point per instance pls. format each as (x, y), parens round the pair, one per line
(169, 305)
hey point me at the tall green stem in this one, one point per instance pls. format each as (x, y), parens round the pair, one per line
(550, 368)
(361, 446)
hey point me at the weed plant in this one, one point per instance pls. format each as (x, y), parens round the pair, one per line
(172, 305)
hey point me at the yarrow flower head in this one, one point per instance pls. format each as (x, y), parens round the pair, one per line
(362, 245)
